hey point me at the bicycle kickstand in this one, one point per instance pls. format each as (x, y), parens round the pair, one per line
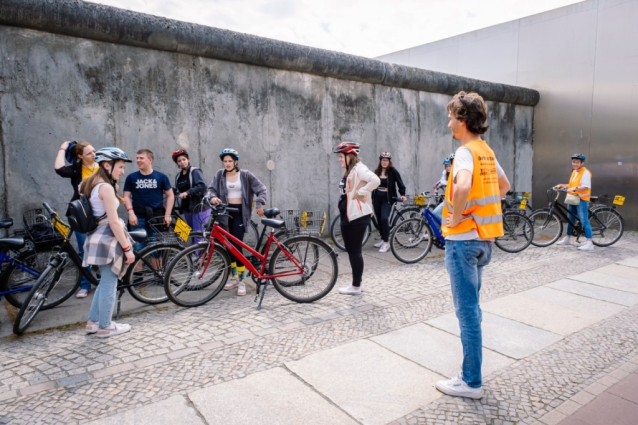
(119, 302)
(263, 292)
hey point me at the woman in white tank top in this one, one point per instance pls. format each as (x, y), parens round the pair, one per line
(108, 246)
(237, 189)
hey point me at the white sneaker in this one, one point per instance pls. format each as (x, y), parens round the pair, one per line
(378, 244)
(587, 246)
(384, 247)
(458, 388)
(241, 289)
(113, 329)
(350, 290)
(567, 240)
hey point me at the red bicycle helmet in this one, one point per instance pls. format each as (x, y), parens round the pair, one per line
(179, 153)
(387, 155)
(348, 147)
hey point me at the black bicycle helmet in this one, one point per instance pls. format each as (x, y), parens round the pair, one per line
(229, 151)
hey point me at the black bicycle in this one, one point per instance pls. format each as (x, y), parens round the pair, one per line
(397, 214)
(607, 224)
(144, 278)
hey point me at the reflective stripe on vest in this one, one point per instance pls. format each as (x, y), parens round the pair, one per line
(483, 208)
(575, 182)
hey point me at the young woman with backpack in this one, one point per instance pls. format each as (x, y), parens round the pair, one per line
(191, 188)
(109, 247)
(80, 156)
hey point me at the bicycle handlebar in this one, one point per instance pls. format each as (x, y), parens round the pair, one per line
(48, 208)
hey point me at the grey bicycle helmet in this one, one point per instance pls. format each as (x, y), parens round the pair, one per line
(111, 154)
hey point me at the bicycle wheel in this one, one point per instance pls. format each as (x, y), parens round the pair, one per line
(37, 296)
(337, 238)
(251, 235)
(547, 228)
(518, 232)
(411, 240)
(22, 276)
(189, 283)
(607, 226)
(406, 213)
(318, 261)
(145, 276)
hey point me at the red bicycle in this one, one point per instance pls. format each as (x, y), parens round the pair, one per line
(302, 268)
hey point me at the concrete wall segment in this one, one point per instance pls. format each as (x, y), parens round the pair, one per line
(104, 23)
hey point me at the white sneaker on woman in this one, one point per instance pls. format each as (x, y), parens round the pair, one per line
(587, 246)
(567, 240)
(385, 247)
(350, 290)
(113, 329)
(458, 388)
(378, 244)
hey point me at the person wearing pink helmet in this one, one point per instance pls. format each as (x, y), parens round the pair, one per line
(355, 207)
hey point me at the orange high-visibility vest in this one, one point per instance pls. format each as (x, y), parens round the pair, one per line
(575, 182)
(483, 208)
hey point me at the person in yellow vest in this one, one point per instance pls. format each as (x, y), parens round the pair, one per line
(472, 218)
(579, 183)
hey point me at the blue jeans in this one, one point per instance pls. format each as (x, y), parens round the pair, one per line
(81, 238)
(104, 297)
(465, 261)
(582, 211)
(438, 212)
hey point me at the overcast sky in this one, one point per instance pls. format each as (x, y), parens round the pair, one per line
(361, 27)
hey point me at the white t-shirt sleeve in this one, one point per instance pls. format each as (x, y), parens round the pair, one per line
(463, 160)
(585, 181)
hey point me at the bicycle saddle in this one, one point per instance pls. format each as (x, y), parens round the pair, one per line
(138, 235)
(271, 212)
(593, 199)
(11, 243)
(5, 223)
(277, 224)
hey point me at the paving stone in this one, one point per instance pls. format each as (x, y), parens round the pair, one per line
(173, 410)
(504, 336)
(436, 350)
(556, 311)
(607, 281)
(594, 291)
(273, 396)
(627, 388)
(608, 409)
(629, 262)
(619, 271)
(45, 386)
(372, 384)
(72, 380)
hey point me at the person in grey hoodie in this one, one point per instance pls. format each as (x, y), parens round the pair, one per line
(237, 188)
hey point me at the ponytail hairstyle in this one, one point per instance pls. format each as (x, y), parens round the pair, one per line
(87, 185)
(351, 160)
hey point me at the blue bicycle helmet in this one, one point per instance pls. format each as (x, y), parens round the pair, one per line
(447, 161)
(229, 151)
(69, 153)
(579, 156)
(111, 154)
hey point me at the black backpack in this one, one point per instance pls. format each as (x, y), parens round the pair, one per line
(80, 215)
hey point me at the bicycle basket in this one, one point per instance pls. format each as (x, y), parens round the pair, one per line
(517, 200)
(39, 229)
(159, 232)
(304, 222)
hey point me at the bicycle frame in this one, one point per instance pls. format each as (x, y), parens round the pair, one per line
(226, 240)
(435, 224)
(24, 268)
(564, 214)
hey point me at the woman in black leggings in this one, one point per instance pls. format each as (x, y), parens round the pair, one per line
(237, 189)
(384, 197)
(355, 207)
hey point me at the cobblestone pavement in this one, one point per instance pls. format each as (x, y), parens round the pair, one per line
(64, 376)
